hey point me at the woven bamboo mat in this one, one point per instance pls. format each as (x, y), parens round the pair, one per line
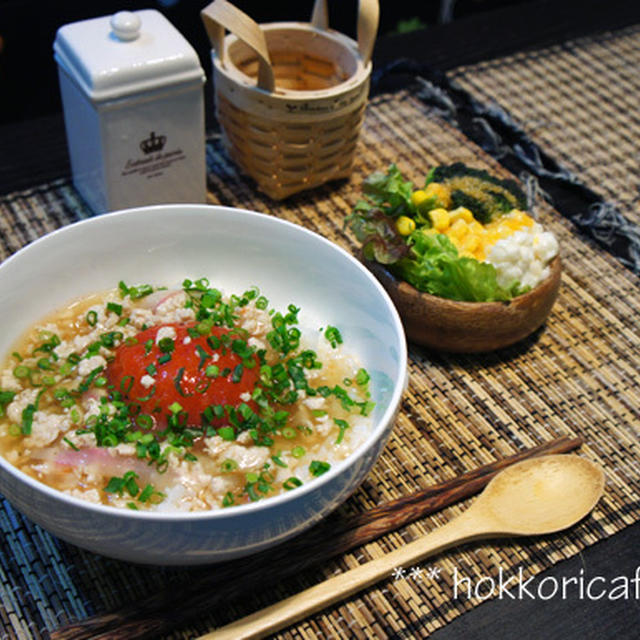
(579, 375)
(578, 102)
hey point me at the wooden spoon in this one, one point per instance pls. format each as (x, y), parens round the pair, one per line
(533, 497)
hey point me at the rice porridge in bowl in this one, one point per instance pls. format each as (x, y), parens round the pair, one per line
(187, 384)
(179, 399)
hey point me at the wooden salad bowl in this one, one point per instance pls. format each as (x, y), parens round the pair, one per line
(469, 327)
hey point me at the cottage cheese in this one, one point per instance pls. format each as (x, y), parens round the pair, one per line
(523, 256)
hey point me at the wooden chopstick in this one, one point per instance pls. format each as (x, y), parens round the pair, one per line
(158, 614)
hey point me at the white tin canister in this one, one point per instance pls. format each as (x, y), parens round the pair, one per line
(132, 93)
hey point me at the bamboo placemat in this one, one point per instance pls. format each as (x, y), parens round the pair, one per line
(577, 376)
(578, 102)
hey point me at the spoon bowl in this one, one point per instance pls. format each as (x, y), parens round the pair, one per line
(541, 495)
(533, 497)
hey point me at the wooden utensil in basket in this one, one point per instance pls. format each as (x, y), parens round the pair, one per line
(290, 96)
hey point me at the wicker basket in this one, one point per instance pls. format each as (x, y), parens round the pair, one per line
(290, 96)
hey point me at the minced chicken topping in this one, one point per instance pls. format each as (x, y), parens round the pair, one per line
(179, 399)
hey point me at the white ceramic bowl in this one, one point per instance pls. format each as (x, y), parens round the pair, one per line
(235, 249)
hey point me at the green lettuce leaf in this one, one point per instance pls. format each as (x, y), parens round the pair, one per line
(434, 266)
(389, 192)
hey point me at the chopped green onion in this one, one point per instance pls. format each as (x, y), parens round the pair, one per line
(204, 356)
(73, 446)
(110, 440)
(125, 384)
(288, 432)
(146, 493)
(212, 371)
(144, 421)
(333, 335)
(318, 467)
(65, 369)
(343, 425)
(21, 371)
(5, 398)
(109, 339)
(135, 293)
(175, 407)
(27, 419)
(45, 363)
(237, 373)
(278, 460)
(262, 303)
(209, 299)
(366, 408)
(298, 452)
(116, 308)
(166, 345)
(229, 465)
(291, 483)
(202, 386)
(61, 394)
(204, 327)
(177, 383)
(92, 318)
(227, 433)
(148, 396)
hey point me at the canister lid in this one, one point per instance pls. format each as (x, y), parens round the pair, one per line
(129, 52)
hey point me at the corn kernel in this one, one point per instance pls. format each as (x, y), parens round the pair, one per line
(441, 192)
(471, 243)
(520, 218)
(439, 219)
(418, 197)
(492, 237)
(461, 213)
(476, 227)
(517, 214)
(458, 229)
(405, 225)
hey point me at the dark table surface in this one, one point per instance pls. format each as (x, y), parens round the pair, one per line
(33, 151)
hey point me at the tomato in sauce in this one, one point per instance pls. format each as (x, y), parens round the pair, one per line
(195, 372)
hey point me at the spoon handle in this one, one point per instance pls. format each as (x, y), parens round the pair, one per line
(469, 525)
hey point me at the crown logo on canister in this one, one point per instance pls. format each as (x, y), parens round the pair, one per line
(153, 143)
